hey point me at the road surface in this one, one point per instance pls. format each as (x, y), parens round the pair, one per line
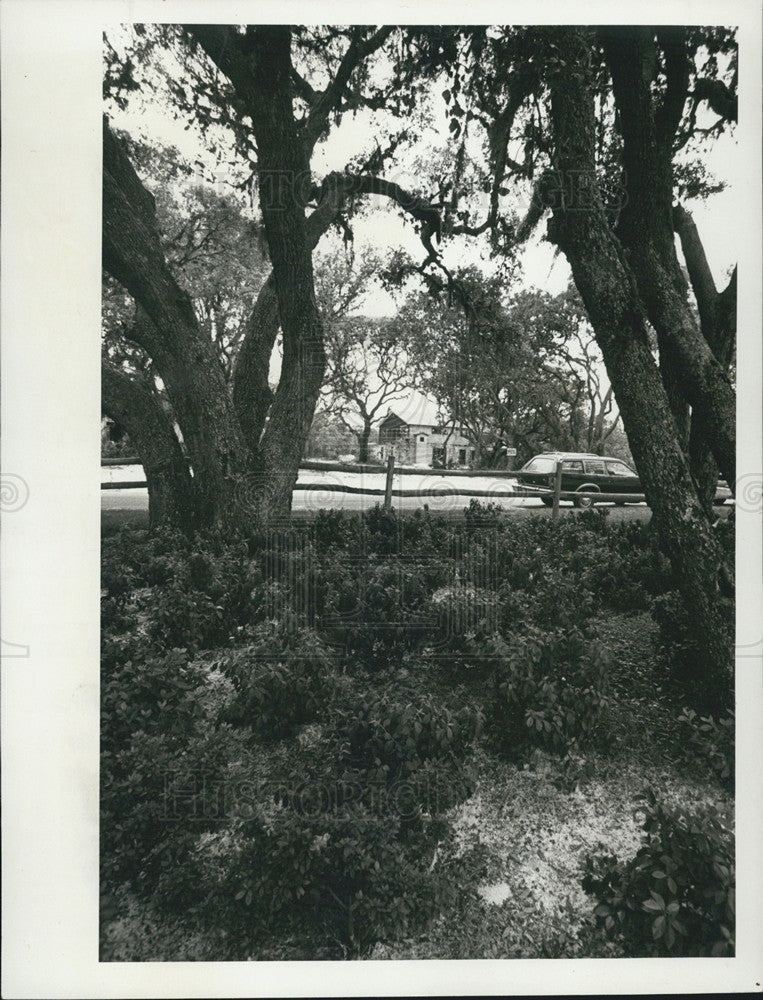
(133, 503)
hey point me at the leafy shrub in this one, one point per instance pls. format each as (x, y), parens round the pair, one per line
(712, 741)
(343, 876)
(334, 529)
(155, 694)
(382, 531)
(390, 736)
(479, 515)
(156, 735)
(548, 689)
(377, 608)
(281, 680)
(676, 897)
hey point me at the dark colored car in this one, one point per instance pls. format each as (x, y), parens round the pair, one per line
(581, 472)
(587, 473)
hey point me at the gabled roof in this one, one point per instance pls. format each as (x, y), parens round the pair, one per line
(416, 410)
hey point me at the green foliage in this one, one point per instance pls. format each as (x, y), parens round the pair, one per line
(676, 897)
(155, 731)
(391, 736)
(548, 689)
(186, 597)
(711, 740)
(353, 669)
(281, 680)
(344, 876)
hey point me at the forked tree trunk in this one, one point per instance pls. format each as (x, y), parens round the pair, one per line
(580, 228)
(283, 168)
(130, 400)
(183, 355)
(692, 371)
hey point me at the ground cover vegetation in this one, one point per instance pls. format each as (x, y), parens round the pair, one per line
(324, 740)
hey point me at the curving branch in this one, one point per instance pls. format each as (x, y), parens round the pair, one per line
(131, 400)
(184, 356)
(722, 100)
(328, 100)
(251, 394)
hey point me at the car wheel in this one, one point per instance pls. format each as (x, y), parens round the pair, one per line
(547, 501)
(584, 501)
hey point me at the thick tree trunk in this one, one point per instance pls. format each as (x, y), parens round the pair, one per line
(130, 400)
(283, 167)
(183, 355)
(259, 67)
(646, 230)
(717, 314)
(580, 228)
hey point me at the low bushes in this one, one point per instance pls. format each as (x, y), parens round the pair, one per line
(710, 740)
(676, 897)
(390, 736)
(281, 680)
(339, 677)
(344, 877)
(548, 689)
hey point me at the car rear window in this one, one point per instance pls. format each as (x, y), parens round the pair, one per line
(595, 468)
(618, 469)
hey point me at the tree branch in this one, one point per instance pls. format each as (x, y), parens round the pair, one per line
(722, 100)
(668, 117)
(357, 51)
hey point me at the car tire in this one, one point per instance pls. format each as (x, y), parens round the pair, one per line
(547, 501)
(584, 502)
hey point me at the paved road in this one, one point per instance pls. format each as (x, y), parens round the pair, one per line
(131, 505)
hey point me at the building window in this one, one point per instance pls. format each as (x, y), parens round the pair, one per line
(422, 438)
(462, 456)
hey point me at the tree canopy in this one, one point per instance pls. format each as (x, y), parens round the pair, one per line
(598, 132)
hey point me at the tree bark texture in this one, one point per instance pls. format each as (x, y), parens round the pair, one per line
(364, 437)
(607, 286)
(131, 400)
(259, 67)
(717, 314)
(183, 355)
(645, 226)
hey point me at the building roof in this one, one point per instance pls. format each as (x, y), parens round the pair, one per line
(416, 410)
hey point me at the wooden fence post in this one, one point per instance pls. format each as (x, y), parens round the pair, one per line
(557, 491)
(388, 484)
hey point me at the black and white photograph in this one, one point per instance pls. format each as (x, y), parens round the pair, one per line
(423, 563)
